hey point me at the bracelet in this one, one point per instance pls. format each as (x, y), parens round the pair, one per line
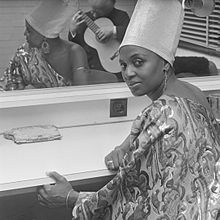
(79, 68)
(67, 198)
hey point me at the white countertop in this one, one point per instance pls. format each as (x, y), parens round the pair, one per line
(79, 155)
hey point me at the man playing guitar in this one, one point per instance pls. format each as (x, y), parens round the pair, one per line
(103, 33)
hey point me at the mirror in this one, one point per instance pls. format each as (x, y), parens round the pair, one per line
(12, 15)
(12, 36)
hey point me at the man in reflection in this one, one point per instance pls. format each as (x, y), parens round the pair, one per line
(99, 8)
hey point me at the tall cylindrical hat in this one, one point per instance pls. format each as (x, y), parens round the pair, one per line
(50, 17)
(156, 25)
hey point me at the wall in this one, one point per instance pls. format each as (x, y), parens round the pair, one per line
(69, 114)
(12, 14)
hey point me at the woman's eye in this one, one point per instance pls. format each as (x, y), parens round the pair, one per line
(137, 62)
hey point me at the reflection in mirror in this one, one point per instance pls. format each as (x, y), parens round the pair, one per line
(49, 58)
(98, 50)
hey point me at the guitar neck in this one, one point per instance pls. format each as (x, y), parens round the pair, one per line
(90, 23)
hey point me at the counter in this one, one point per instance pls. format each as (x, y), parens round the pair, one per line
(82, 115)
(79, 155)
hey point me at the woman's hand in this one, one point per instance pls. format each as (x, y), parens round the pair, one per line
(115, 158)
(58, 195)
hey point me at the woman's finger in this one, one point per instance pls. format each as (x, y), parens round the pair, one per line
(42, 201)
(43, 193)
(56, 177)
(111, 160)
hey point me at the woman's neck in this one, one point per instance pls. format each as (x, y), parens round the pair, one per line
(56, 49)
(164, 85)
(54, 44)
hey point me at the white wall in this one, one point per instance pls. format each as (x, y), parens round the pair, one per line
(68, 114)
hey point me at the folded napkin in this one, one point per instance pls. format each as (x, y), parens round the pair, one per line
(33, 134)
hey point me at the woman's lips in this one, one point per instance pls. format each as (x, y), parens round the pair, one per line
(132, 84)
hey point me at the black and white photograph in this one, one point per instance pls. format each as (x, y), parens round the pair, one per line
(109, 109)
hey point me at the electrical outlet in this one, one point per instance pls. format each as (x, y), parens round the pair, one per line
(118, 107)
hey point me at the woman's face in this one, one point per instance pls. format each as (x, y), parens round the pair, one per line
(142, 69)
(33, 38)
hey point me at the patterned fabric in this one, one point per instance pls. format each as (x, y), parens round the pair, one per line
(171, 172)
(28, 67)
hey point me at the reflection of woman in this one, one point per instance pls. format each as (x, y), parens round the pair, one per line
(47, 60)
(169, 165)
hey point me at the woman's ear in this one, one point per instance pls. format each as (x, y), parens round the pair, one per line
(166, 66)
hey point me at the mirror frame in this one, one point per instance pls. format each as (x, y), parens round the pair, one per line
(33, 97)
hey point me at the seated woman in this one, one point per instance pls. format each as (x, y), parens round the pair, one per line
(46, 60)
(169, 166)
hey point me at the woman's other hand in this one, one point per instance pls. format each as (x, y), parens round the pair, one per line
(59, 194)
(115, 158)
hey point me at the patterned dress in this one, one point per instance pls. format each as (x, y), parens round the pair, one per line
(29, 68)
(171, 172)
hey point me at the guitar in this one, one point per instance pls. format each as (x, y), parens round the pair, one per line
(108, 51)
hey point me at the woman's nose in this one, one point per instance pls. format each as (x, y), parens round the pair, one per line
(130, 72)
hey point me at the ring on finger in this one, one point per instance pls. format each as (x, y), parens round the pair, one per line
(110, 163)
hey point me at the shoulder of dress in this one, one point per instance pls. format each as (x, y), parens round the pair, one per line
(162, 103)
(162, 110)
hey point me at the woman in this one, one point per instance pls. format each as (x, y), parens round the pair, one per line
(46, 60)
(168, 167)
